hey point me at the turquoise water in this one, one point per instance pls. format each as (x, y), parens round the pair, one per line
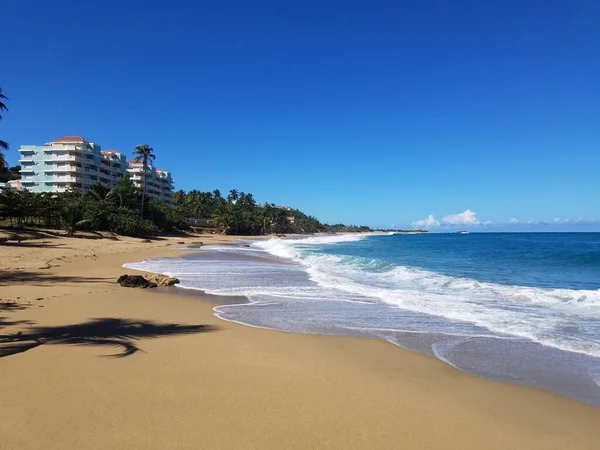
(519, 307)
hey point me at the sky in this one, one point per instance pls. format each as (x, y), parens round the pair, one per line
(438, 114)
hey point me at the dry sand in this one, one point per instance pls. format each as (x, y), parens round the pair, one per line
(231, 386)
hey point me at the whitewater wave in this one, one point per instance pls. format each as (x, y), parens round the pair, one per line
(545, 316)
(565, 319)
(289, 248)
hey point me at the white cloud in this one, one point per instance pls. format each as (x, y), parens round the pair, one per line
(467, 217)
(514, 220)
(561, 220)
(428, 222)
(464, 218)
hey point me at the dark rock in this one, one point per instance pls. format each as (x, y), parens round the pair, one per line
(121, 278)
(135, 281)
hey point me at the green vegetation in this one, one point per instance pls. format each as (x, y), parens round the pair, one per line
(102, 209)
(240, 214)
(144, 153)
(119, 211)
(10, 173)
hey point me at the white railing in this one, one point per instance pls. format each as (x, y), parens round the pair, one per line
(64, 179)
(62, 169)
(72, 148)
(63, 158)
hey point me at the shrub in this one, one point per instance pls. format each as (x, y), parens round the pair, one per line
(165, 218)
(126, 222)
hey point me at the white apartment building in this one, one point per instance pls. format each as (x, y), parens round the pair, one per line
(159, 183)
(73, 162)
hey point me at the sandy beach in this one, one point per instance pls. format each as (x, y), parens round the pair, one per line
(189, 380)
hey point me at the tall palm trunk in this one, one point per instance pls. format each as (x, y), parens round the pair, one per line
(144, 188)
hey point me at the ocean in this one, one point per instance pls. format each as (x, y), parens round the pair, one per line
(517, 307)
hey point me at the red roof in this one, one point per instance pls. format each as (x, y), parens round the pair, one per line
(71, 138)
(135, 162)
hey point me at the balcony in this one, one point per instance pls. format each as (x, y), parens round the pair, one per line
(81, 159)
(87, 180)
(64, 179)
(53, 168)
(72, 148)
(105, 177)
(26, 154)
(72, 179)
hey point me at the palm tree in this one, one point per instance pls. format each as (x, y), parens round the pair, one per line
(3, 144)
(144, 153)
(126, 192)
(179, 197)
(223, 217)
(265, 224)
(216, 193)
(72, 216)
(250, 200)
(3, 107)
(100, 192)
(233, 195)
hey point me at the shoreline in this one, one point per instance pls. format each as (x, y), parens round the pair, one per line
(426, 343)
(237, 386)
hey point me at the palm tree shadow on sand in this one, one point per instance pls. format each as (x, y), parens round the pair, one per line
(104, 332)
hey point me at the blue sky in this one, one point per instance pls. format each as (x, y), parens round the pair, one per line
(360, 112)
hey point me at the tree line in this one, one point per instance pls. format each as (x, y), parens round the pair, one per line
(117, 210)
(126, 210)
(239, 213)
